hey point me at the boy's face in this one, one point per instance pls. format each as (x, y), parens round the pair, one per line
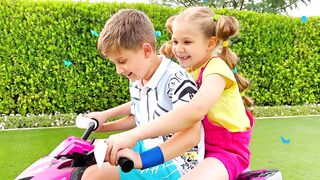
(134, 64)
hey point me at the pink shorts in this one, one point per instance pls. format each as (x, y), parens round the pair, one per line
(232, 149)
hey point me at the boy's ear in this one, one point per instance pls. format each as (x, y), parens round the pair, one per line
(212, 43)
(147, 50)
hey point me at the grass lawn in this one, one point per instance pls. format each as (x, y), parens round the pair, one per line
(299, 159)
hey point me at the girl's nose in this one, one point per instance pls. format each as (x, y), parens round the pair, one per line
(180, 49)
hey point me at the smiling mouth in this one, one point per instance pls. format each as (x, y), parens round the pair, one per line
(128, 75)
(183, 57)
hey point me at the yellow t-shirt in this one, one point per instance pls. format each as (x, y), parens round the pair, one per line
(228, 111)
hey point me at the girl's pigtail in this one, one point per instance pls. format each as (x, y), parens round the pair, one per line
(227, 27)
(169, 24)
(166, 48)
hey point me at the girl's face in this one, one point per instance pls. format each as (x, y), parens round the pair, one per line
(190, 46)
(135, 65)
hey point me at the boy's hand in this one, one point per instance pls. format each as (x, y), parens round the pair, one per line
(117, 142)
(100, 116)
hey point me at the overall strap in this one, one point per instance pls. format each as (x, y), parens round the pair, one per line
(199, 80)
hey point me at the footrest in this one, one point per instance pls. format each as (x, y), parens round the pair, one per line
(261, 174)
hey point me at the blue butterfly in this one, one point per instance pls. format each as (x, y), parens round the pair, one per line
(157, 34)
(67, 63)
(304, 19)
(284, 140)
(94, 33)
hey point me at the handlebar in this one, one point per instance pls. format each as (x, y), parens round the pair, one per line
(125, 164)
(91, 124)
(88, 131)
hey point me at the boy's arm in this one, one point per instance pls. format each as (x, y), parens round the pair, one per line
(103, 116)
(178, 144)
(122, 124)
(123, 109)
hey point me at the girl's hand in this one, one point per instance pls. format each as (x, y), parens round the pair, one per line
(130, 154)
(100, 116)
(117, 142)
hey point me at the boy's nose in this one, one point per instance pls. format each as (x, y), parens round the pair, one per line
(119, 70)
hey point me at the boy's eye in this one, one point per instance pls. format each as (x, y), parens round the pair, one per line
(122, 61)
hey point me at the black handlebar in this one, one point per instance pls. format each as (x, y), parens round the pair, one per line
(125, 164)
(87, 133)
(92, 127)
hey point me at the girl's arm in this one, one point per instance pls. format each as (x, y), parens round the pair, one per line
(181, 142)
(187, 114)
(175, 120)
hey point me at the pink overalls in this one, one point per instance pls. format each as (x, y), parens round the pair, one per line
(232, 149)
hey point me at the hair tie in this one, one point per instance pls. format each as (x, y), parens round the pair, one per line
(235, 70)
(225, 43)
(216, 17)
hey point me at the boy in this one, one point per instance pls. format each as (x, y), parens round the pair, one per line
(156, 86)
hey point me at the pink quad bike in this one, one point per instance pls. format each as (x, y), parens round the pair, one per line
(261, 174)
(70, 158)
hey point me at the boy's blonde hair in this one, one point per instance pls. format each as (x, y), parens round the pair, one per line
(128, 29)
(222, 27)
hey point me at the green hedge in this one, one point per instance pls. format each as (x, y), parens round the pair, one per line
(36, 38)
(279, 54)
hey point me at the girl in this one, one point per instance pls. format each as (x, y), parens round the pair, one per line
(200, 44)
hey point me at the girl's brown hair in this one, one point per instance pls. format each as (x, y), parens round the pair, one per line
(222, 27)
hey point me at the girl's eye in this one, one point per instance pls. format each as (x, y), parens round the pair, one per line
(187, 42)
(175, 42)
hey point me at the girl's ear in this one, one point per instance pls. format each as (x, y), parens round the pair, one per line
(212, 43)
(147, 50)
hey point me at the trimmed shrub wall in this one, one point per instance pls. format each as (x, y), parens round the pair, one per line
(281, 57)
(36, 38)
(49, 62)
